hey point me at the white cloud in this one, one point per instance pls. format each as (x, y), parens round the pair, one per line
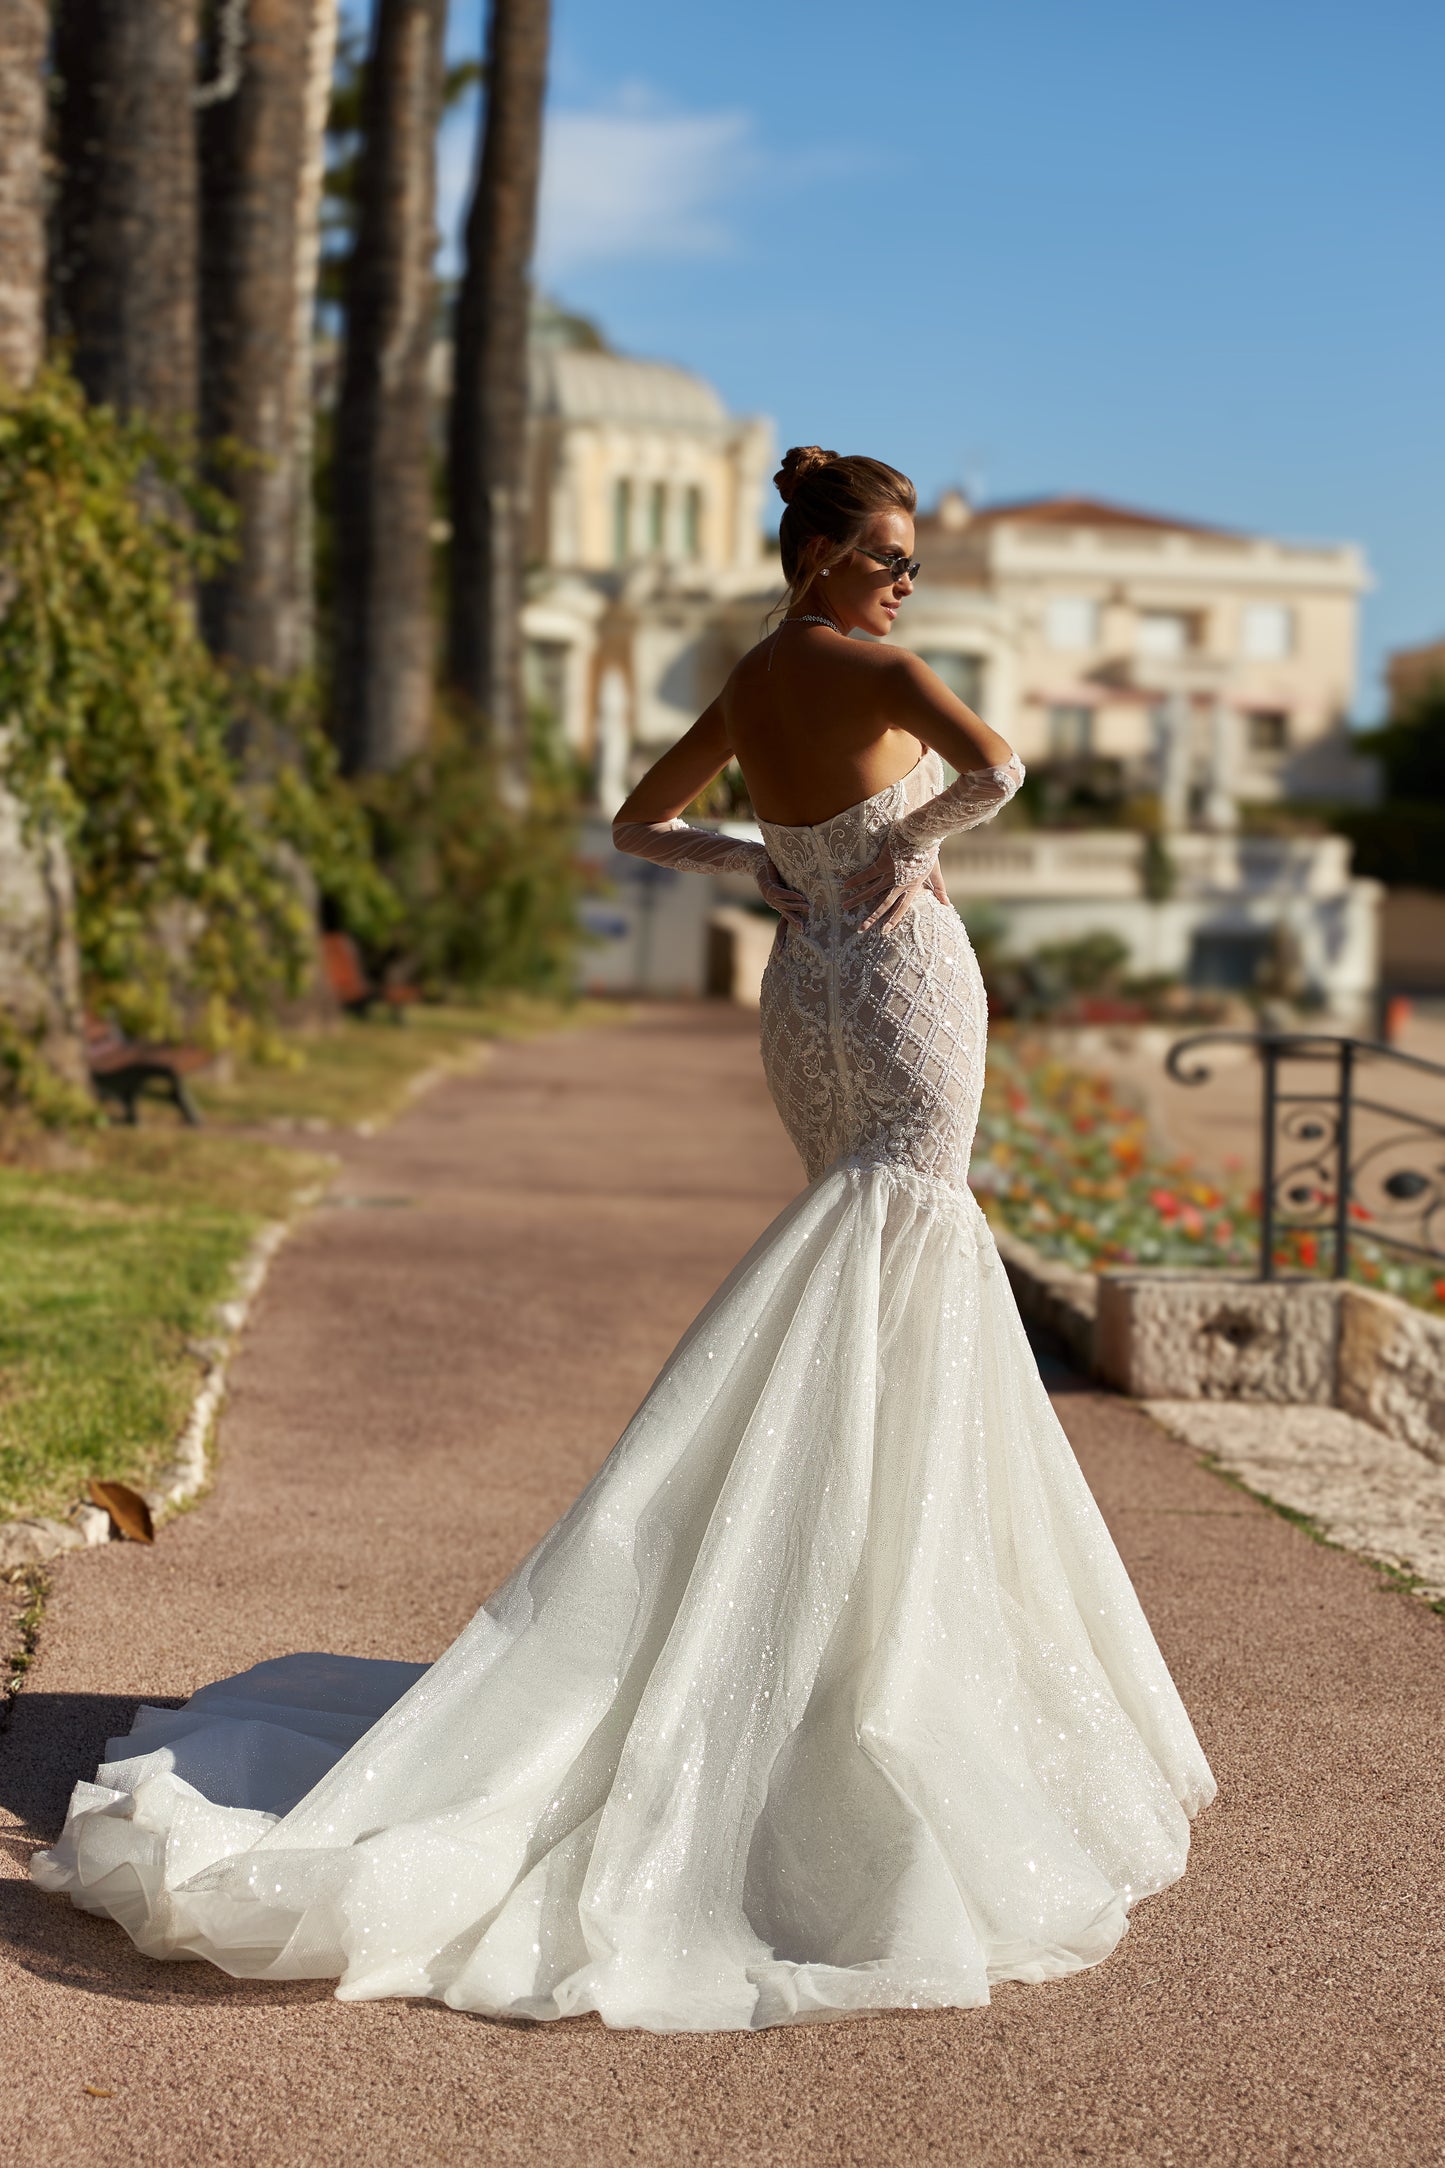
(629, 179)
(633, 181)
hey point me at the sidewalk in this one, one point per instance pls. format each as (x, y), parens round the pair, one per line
(442, 1355)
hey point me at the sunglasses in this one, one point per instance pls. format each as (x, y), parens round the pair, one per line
(900, 568)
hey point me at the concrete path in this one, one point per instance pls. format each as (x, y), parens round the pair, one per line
(441, 1356)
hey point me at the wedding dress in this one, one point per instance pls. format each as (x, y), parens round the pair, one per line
(829, 1694)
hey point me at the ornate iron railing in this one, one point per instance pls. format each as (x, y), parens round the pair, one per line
(1337, 1161)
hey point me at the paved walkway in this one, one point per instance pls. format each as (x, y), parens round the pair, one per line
(442, 1355)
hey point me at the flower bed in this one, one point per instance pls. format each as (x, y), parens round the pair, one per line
(1064, 1161)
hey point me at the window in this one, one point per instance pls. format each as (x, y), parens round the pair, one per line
(1166, 632)
(1071, 623)
(1266, 632)
(545, 674)
(621, 522)
(1267, 730)
(962, 674)
(1232, 961)
(1071, 732)
(657, 516)
(692, 523)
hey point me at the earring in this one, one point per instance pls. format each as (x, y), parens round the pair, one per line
(825, 571)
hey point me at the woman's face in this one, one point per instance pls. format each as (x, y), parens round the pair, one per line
(864, 595)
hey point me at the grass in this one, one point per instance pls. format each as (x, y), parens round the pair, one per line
(352, 1073)
(109, 1269)
(116, 1248)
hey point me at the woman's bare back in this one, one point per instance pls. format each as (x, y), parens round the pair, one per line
(807, 715)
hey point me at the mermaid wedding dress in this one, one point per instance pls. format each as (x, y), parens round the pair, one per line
(829, 1694)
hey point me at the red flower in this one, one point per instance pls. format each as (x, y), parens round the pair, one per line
(1309, 1252)
(1165, 1203)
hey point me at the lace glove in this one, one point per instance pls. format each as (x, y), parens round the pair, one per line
(698, 850)
(908, 858)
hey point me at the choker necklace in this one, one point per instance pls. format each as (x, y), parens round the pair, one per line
(804, 617)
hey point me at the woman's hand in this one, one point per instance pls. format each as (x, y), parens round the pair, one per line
(891, 882)
(789, 903)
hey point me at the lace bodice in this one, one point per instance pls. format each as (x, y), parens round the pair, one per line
(873, 1038)
(917, 810)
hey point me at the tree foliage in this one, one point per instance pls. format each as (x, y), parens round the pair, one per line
(1402, 841)
(490, 896)
(119, 727)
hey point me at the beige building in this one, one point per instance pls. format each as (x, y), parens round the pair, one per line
(1158, 653)
(1121, 653)
(1207, 664)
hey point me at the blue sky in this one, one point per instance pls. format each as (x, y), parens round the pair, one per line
(1183, 256)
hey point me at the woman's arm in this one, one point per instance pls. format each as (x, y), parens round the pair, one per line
(647, 825)
(918, 700)
(684, 769)
(989, 774)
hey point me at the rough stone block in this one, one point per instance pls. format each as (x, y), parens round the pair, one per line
(1176, 1336)
(1392, 1368)
(31, 1542)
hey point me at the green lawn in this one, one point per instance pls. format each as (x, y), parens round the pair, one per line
(115, 1252)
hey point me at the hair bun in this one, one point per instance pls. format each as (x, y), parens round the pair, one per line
(798, 463)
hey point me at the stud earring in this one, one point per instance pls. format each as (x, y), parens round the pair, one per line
(825, 571)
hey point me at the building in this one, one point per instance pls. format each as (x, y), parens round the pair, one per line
(1209, 666)
(1136, 655)
(650, 572)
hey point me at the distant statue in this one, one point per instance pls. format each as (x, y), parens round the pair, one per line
(614, 740)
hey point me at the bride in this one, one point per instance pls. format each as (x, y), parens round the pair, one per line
(830, 1693)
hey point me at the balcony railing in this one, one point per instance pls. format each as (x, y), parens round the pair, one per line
(1335, 1159)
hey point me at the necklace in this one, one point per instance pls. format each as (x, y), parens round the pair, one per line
(804, 617)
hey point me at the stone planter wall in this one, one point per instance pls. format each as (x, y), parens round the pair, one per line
(1175, 1336)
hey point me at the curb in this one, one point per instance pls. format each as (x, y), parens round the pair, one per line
(34, 1541)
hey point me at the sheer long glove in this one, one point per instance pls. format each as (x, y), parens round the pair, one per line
(698, 850)
(907, 860)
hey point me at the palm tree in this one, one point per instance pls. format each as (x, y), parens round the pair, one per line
(39, 972)
(383, 663)
(261, 159)
(124, 275)
(488, 453)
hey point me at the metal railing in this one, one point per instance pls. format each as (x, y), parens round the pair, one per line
(1336, 1161)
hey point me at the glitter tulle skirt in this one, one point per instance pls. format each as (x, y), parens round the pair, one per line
(829, 1694)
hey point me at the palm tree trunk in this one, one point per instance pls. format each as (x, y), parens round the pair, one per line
(261, 151)
(126, 258)
(39, 969)
(383, 668)
(24, 28)
(488, 462)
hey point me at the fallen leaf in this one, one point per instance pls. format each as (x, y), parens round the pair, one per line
(98, 2092)
(129, 1513)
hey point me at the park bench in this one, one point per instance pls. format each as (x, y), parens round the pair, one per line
(127, 1069)
(354, 991)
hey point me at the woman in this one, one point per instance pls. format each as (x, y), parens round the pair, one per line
(830, 1693)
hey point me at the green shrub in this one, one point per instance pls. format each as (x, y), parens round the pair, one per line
(489, 897)
(124, 731)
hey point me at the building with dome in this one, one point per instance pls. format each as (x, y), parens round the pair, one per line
(650, 569)
(1126, 654)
